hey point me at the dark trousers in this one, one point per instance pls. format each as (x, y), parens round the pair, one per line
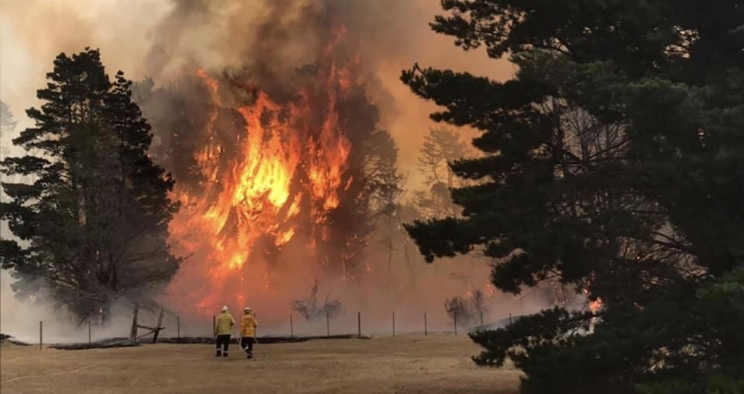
(223, 342)
(247, 344)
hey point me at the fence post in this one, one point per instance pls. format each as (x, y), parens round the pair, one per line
(426, 327)
(393, 323)
(291, 326)
(133, 331)
(214, 326)
(328, 325)
(454, 315)
(359, 323)
(41, 334)
(89, 336)
(178, 327)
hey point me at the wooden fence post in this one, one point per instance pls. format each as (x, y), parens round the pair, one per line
(41, 334)
(426, 327)
(133, 332)
(328, 325)
(291, 326)
(158, 327)
(359, 323)
(393, 323)
(89, 336)
(214, 326)
(178, 327)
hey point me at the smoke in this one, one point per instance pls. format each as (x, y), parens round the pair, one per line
(156, 38)
(388, 35)
(266, 40)
(21, 320)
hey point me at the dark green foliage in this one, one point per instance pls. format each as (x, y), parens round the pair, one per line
(92, 211)
(615, 162)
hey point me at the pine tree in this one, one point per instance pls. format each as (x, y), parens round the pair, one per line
(93, 215)
(613, 162)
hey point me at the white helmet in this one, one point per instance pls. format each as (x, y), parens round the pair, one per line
(224, 308)
(247, 309)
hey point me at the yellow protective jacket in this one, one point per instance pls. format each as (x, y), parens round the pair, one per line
(225, 323)
(248, 324)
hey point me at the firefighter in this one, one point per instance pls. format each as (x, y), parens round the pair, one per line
(222, 330)
(248, 324)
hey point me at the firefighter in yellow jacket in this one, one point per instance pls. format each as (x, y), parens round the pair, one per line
(248, 324)
(222, 330)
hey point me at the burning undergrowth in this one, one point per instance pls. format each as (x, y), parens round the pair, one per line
(277, 168)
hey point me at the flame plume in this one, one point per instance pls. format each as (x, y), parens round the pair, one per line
(275, 176)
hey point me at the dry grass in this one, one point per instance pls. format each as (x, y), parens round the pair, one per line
(404, 364)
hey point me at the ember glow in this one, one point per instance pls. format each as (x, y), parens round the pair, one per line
(593, 306)
(286, 177)
(596, 305)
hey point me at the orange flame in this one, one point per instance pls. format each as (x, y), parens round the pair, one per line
(284, 164)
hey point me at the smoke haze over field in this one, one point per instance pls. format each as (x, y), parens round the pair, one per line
(263, 42)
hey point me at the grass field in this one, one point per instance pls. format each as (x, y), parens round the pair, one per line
(403, 364)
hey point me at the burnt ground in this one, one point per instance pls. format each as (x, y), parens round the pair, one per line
(402, 364)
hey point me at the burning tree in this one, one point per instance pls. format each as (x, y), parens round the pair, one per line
(94, 209)
(271, 165)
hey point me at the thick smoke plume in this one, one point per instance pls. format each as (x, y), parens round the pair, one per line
(319, 79)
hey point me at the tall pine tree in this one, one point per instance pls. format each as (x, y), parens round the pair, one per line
(615, 163)
(93, 215)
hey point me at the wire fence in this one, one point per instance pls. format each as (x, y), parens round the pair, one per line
(172, 327)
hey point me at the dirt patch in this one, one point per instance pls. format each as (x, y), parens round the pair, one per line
(403, 364)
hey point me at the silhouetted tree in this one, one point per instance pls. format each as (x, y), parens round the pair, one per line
(466, 310)
(613, 163)
(95, 209)
(441, 147)
(311, 310)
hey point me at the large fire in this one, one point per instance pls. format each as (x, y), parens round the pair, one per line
(290, 165)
